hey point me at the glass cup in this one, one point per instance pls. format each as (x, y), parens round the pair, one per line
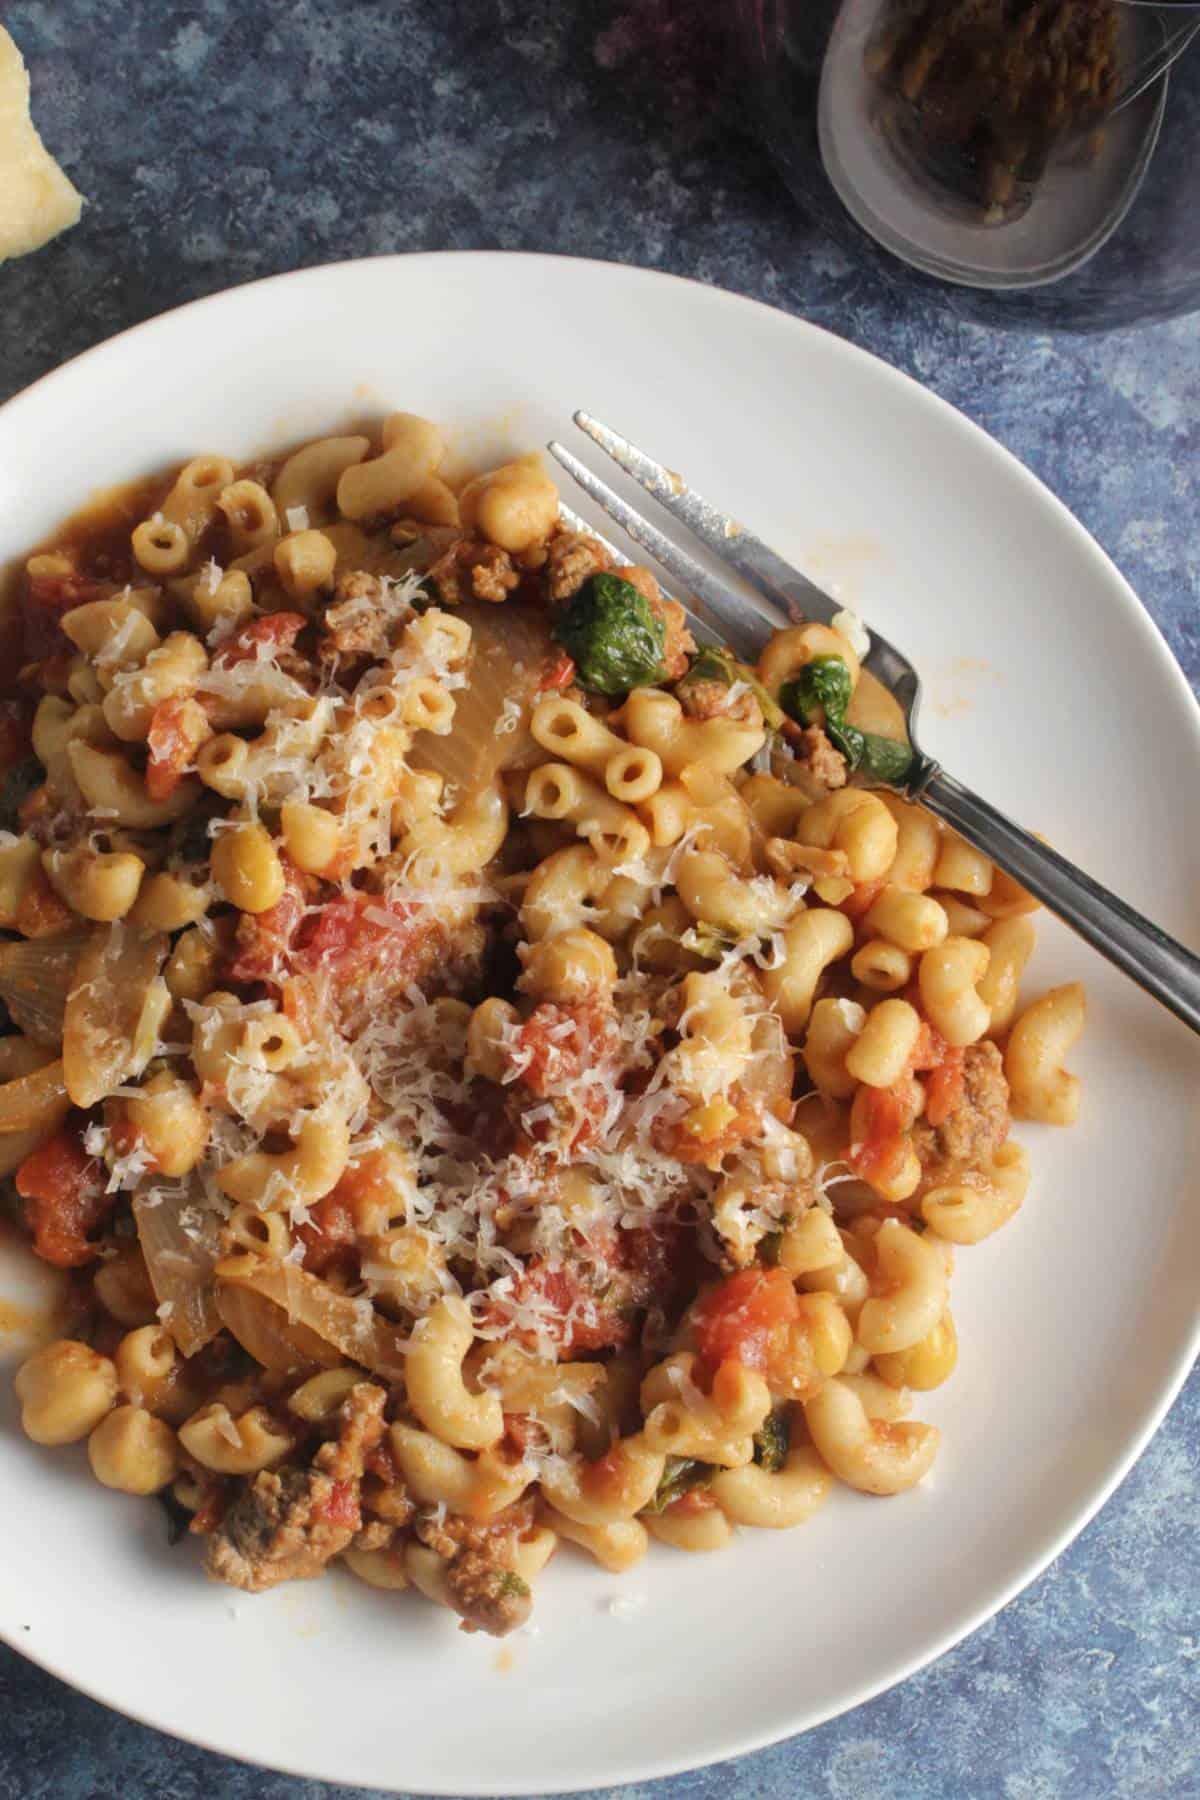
(1032, 157)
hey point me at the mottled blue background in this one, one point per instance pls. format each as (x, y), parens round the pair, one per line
(235, 138)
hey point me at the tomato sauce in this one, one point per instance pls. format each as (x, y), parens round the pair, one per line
(63, 1190)
(170, 748)
(270, 634)
(745, 1318)
(330, 1236)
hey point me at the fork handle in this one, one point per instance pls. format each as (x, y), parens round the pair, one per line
(1138, 948)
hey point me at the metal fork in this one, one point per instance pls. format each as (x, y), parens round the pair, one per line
(783, 596)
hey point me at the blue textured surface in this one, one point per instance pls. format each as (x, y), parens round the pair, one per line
(228, 139)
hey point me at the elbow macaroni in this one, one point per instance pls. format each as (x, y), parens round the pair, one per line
(480, 1032)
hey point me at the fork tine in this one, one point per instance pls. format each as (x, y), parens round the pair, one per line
(726, 537)
(744, 624)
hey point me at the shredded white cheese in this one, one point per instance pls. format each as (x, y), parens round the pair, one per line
(853, 630)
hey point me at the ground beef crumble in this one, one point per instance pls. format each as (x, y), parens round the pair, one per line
(572, 557)
(287, 1524)
(469, 570)
(356, 623)
(823, 767)
(480, 1557)
(978, 1125)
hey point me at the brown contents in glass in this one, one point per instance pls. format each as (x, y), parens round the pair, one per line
(979, 93)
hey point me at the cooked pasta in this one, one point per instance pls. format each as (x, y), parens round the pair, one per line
(496, 1076)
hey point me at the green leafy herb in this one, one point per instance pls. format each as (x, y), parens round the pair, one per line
(772, 1442)
(19, 783)
(823, 685)
(613, 635)
(679, 1477)
(512, 1583)
(711, 664)
(885, 758)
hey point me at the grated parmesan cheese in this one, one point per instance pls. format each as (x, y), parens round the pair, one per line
(852, 1015)
(853, 630)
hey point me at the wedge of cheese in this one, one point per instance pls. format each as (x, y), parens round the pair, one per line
(36, 199)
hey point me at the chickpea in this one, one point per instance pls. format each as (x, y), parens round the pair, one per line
(133, 1451)
(246, 867)
(65, 1390)
(515, 506)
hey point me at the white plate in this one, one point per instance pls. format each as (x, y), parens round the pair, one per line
(1050, 690)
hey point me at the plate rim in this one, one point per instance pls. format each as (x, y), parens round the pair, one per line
(1085, 546)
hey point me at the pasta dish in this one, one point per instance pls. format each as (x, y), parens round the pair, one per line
(494, 1071)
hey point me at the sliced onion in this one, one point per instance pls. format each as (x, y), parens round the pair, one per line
(35, 979)
(117, 968)
(34, 1101)
(351, 1325)
(272, 1339)
(509, 648)
(180, 1259)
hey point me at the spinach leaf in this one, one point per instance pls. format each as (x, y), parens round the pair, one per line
(771, 1443)
(711, 664)
(886, 758)
(19, 783)
(613, 635)
(679, 1477)
(825, 683)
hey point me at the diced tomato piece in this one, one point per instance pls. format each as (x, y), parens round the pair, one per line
(522, 1434)
(745, 1319)
(573, 1316)
(341, 1507)
(63, 1190)
(558, 672)
(330, 1236)
(264, 940)
(944, 1089)
(361, 929)
(556, 1043)
(883, 1140)
(266, 636)
(171, 746)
